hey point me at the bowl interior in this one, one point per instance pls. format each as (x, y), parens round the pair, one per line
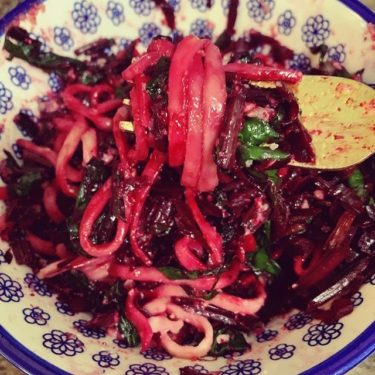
(32, 318)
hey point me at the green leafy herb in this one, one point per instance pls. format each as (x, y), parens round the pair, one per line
(209, 295)
(233, 341)
(273, 175)
(260, 260)
(90, 79)
(45, 60)
(261, 153)
(357, 182)
(256, 131)
(72, 225)
(128, 330)
(174, 273)
(25, 183)
(94, 176)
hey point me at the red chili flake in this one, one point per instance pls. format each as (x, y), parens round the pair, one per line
(336, 136)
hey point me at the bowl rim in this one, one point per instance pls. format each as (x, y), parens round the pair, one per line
(339, 363)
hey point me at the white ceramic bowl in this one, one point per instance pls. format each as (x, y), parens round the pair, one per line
(34, 326)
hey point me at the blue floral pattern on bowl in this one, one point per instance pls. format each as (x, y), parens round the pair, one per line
(36, 315)
(315, 31)
(148, 31)
(19, 77)
(142, 7)
(6, 96)
(281, 351)
(156, 355)
(63, 38)
(337, 53)
(146, 369)
(106, 359)
(17, 150)
(322, 334)
(247, 367)
(198, 369)
(61, 343)
(95, 333)
(39, 286)
(298, 321)
(201, 5)
(115, 12)
(357, 299)
(300, 62)
(260, 10)
(202, 29)
(85, 16)
(267, 335)
(2, 257)
(286, 22)
(10, 290)
(63, 308)
(55, 82)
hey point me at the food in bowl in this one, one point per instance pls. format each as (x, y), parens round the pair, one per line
(174, 218)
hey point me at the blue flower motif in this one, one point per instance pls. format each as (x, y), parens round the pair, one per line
(300, 62)
(286, 22)
(202, 28)
(95, 333)
(247, 367)
(267, 335)
(201, 5)
(10, 290)
(62, 38)
(297, 321)
(121, 343)
(356, 299)
(124, 43)
(322, 334)
(17, 150)
(39, 286)
(36, 315)
(199, 369)
(115, 12)
(6, 96)
(176, 35)
(371, 280)
(142, 7)
(61, 343)
(106, 359)
(315, 31)
(337, 53)
(156, 355)
(63, 308)
(43, 44)
(260, 10)
(86, 17)
(2, 257)
(19, 77)
(146, 369)
(55, 82)
(282, 351)
(147, 32)
(175, 4)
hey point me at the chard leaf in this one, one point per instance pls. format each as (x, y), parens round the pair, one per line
(258, 153)
(235, 343)
(94, 175)
(129, 331)
(357, 182)
(25, 183)
(256, 131)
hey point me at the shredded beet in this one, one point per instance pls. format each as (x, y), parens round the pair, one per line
(155, 193)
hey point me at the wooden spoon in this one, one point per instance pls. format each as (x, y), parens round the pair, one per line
(339, 114)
